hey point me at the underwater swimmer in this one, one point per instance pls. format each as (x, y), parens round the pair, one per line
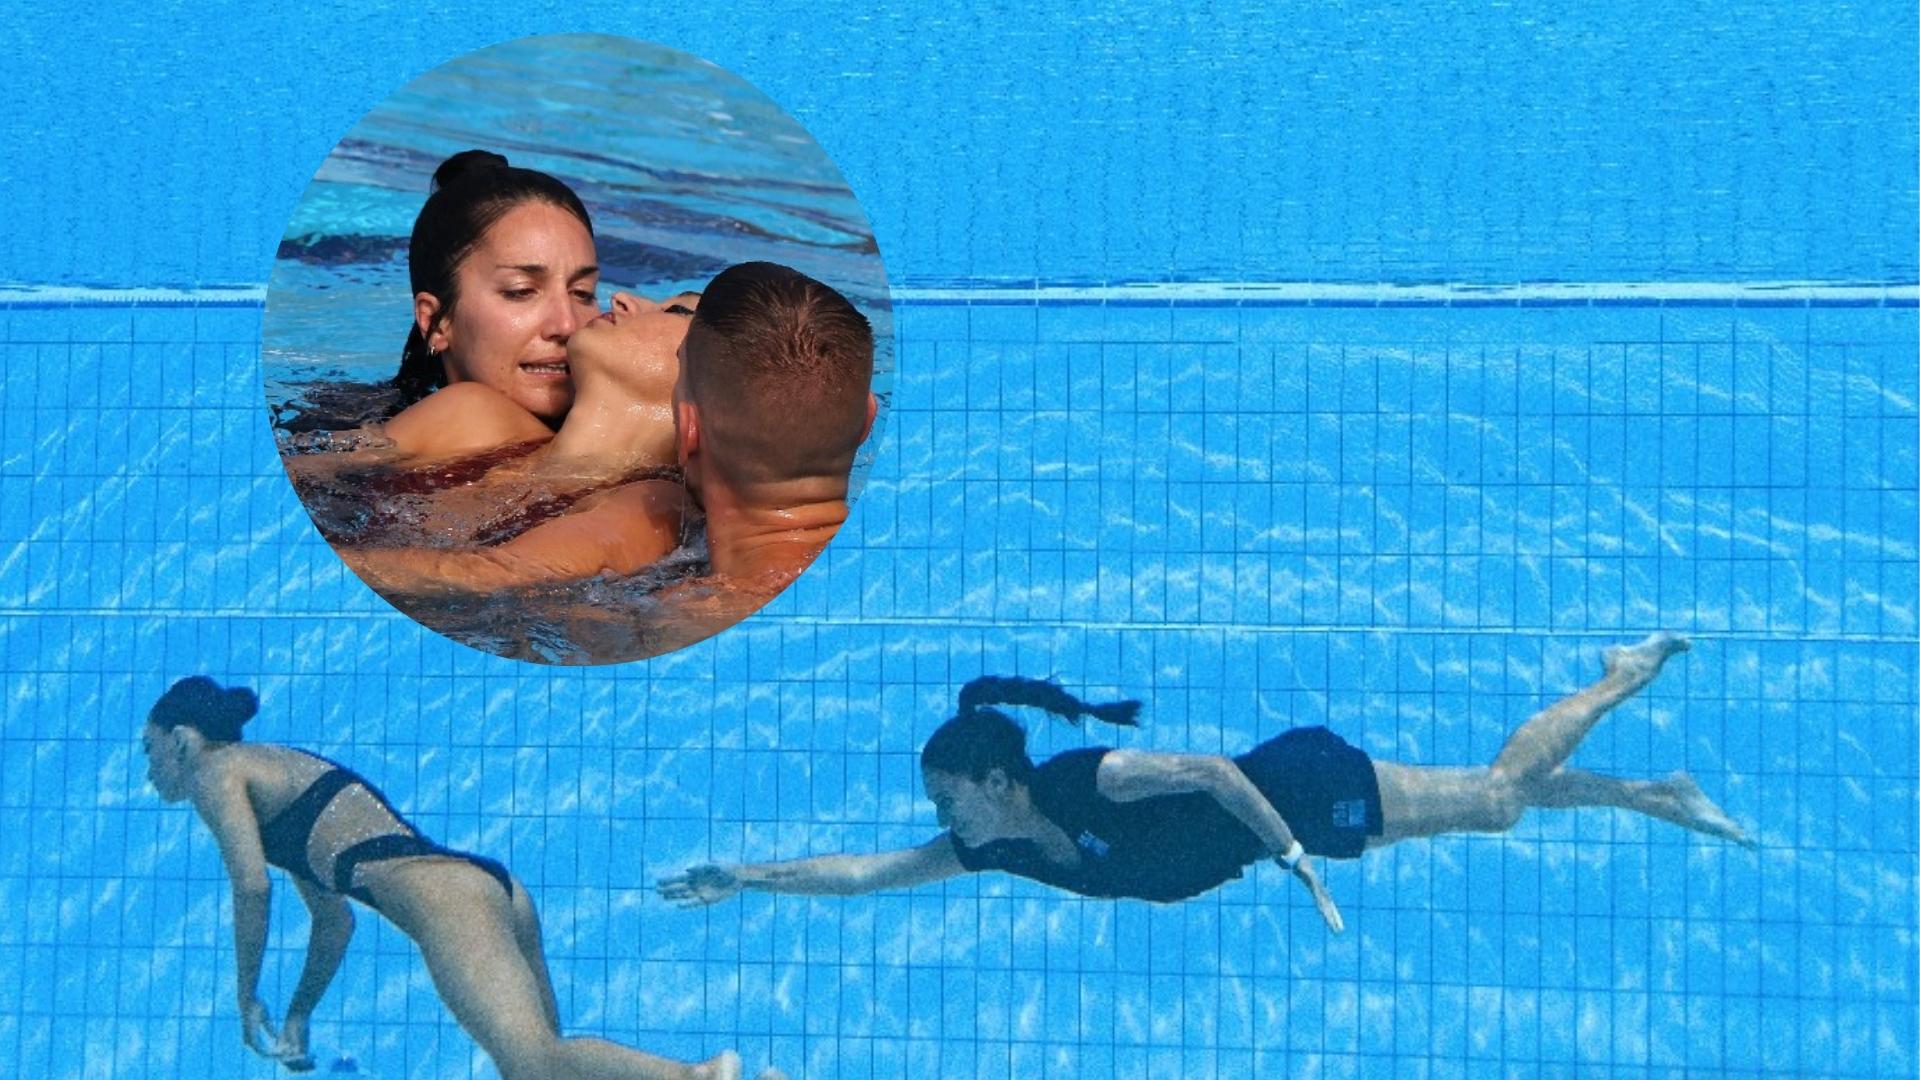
(1165, 827)
(338, 837)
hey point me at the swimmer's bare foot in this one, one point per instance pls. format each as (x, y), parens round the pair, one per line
(1641, 662)
(1691, 808)
(724, 1065)
(772, 1074)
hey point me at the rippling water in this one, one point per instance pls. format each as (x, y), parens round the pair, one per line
(685, 169)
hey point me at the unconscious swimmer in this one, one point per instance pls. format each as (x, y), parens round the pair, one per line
(339, 838)
(1166, 827)
(509, 423)
(594, 498)
(770, 400)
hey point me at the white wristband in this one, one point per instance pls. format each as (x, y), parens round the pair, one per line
(1295, 852)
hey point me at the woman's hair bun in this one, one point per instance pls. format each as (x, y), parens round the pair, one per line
(238, 705)
(466, 163)
(204, 705)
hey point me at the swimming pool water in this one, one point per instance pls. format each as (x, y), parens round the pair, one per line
(1415, 523)
(685, 169)
(1244, 547)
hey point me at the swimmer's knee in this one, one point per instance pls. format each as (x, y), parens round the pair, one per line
(533, 1055)
(1501, 804)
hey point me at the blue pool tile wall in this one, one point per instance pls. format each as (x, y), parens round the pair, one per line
(1415, 521)
(1414, 525)
(1425, 141)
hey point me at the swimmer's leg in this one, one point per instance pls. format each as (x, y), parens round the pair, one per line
(526, 935)
(1675, 798)
(464, 926)
(1548, 739)
(1416, 801)
(1420, 802)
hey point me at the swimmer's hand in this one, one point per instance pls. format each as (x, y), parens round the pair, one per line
(291, 1048)
(256, 1028)
(701, 885)
(1321, 898)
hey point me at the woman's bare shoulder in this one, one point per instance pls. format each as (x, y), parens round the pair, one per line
(464, 418)
(652, 497)
(269, 774)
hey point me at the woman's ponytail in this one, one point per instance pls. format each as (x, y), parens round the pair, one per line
(980, 738)
(990, 690)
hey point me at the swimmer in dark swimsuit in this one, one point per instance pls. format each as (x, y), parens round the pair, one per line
(338, 837)
(1164, 827)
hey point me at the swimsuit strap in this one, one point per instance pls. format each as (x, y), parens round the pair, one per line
(430, 478)
(366, 517)
(377, 849)
(405, 846)
(284, 839)
(551, 506)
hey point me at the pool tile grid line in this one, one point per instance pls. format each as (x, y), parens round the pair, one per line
(1204, 293)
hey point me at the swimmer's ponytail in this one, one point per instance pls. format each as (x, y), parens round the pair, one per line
(989, 690)
(981, 738)
(216, 712)
(421, 372)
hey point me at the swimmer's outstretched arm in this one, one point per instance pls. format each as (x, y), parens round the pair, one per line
(221, 799)
(1127, 775)
(822, 875)
(620, 532)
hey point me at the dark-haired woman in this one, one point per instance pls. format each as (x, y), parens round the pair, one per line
(1164, 827)
(338, 837)
(504, 270)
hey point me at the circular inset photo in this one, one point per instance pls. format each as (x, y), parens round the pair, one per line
(575, 348)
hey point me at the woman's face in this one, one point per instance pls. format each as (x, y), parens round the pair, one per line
(975, 810)
(521, 293)
(166, 762)
(638, 341)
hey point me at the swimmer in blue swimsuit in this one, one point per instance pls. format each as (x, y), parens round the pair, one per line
(1165, 827)
(339, 837)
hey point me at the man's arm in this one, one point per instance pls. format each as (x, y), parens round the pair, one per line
(619, 532)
